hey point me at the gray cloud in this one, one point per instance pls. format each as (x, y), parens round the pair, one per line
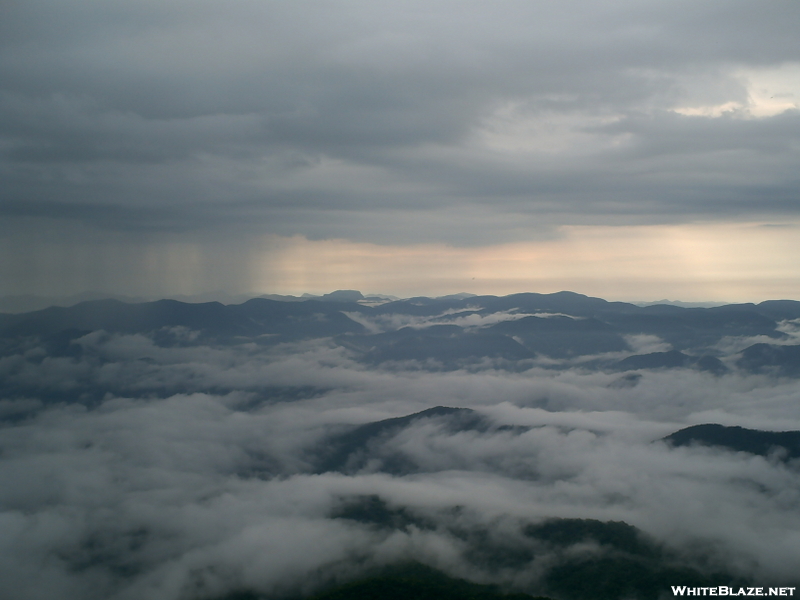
(190, 116)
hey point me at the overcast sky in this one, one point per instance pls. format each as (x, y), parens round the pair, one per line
(628, 149)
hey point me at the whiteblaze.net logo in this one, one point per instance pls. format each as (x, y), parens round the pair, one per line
(724, 590)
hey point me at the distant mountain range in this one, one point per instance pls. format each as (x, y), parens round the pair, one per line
(30, 302)
(513, 332)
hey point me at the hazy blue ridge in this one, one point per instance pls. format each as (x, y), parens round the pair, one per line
(783, 444)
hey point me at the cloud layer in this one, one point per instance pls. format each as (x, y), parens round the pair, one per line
(156, 127)
(166, 465)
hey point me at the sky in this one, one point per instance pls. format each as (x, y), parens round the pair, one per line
(630, 150)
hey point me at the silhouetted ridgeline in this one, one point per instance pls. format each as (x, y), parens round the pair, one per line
(411, 581)
(783, 444)
(452, 332)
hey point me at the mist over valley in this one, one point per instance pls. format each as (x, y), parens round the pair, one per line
(547, 444)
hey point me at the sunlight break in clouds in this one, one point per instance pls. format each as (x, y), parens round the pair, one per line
(705, 261)
(770, 92)
(735, 262)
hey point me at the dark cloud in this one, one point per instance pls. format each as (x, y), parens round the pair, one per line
(261, 111)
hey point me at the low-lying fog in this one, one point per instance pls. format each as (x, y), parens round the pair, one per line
(135, 468)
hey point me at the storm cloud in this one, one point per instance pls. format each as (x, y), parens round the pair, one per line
(143, 126)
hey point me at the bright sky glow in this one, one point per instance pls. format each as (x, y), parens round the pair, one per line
(724, 261)
(770, 92)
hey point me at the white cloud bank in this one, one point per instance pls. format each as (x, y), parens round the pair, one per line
(173, 495)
